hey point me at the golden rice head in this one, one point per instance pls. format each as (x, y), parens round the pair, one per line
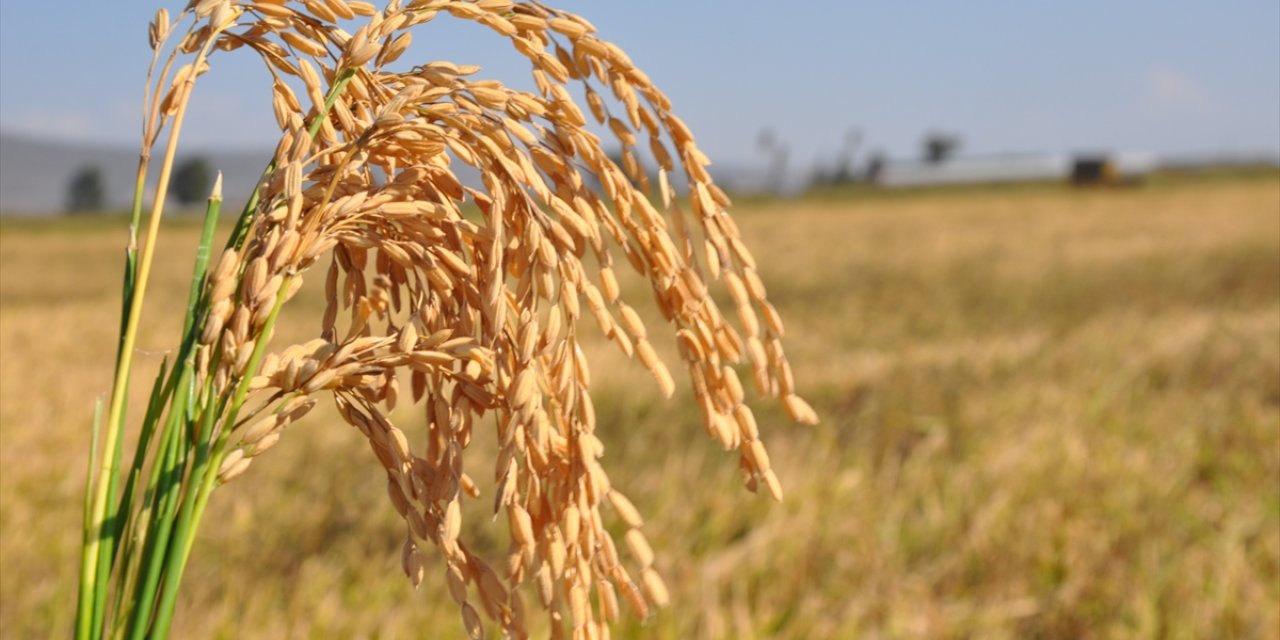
(481, 313)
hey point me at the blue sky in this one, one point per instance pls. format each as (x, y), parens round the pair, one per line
(1166, 77)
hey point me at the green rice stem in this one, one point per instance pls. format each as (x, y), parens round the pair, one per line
(205, 473)
(83, 606)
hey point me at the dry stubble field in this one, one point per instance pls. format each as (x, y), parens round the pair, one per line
(1047, 413)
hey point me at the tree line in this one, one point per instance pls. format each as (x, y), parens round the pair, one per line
(87, 189)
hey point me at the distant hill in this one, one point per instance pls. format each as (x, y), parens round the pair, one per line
(34, 174)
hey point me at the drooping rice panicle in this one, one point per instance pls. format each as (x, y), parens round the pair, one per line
(475, 294)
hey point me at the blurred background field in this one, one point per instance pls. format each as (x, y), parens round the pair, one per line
(1047, 412)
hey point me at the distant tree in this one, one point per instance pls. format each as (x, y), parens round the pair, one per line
(939, 146)
(822, 176)
(192, 181)
(875, 167)
(841, 171)
(848, 152)
(85, 192)
(777, 151)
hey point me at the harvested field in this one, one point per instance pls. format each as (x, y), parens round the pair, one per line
(1046, 413)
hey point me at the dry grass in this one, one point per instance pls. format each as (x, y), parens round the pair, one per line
(1048, 413)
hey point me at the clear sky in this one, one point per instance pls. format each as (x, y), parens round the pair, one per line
(1172, 76)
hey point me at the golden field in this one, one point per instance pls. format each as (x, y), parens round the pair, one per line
(1046, 413)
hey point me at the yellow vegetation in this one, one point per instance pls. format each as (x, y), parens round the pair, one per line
(1045, 412)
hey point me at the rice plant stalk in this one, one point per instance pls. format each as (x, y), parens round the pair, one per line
(480, 314)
